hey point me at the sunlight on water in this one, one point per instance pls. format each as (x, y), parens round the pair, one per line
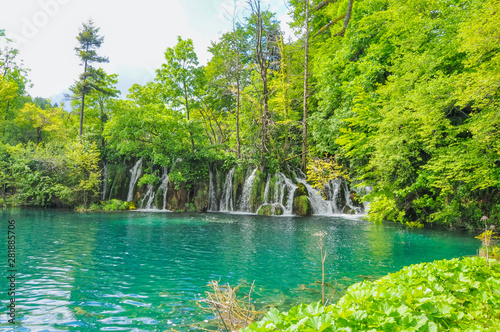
(146, 271)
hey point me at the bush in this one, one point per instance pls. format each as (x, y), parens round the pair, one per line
(115, 205)
(448, 295)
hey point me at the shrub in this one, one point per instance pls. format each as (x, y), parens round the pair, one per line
(115, 205)
(448, 295)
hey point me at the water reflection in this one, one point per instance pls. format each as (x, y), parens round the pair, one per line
(139, 271)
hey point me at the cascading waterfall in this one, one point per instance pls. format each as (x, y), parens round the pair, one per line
(279, 190)
(282, 186)
(318, 204)
(212, 197)
(266, 188)
(244, 202)
(164, 187)
(135, 172)
(333, 189)
(149, 198)
(367, 190)
(226, 200)
(335, 202)
(348, 200)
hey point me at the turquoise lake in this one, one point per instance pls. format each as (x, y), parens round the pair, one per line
(139, 271)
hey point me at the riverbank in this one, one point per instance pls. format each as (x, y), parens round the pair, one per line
(447, 295)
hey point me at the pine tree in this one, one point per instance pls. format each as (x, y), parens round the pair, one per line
(88, 42)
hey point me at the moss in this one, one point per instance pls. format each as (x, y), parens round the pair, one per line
(265, 210)
(270, 210)
(278, 209)
(159, 199)
(302, 206)
(272, 188)
(118, 181)
(238, 181)
(257, 195)
(190, 207)
(301, 190)
(201, 198)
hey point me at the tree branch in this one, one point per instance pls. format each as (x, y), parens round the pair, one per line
(323, 3)
(346, 20)
(323, 29)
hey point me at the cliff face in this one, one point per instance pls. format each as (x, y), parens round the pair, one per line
(237, 190)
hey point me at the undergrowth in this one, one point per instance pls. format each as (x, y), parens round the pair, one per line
(447, 295)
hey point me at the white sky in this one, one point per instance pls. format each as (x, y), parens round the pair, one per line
(136, 34)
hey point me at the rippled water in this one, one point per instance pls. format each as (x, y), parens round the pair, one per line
(140, 271)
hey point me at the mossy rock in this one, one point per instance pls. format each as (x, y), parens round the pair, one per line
(265, 210)
(270, 210)
(348, 210)
(302, 206)
(201, 198)
(158, 202)
(278, 209)
(300, 191)
(257, 195)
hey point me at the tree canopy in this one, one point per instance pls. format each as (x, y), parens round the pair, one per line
(402, 98)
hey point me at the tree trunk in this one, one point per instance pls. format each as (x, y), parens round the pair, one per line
(306, 76)
(264, 120)
(187, 114)
(83, 99)
(238, 149)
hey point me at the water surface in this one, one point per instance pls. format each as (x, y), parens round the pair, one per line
(139, 271)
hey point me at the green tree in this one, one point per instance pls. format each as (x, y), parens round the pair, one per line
(180, 78)
(265, 32)
(227, 76)
(88, 43)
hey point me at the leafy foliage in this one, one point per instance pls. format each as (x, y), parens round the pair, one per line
(409, 102)
(448, 295)
(320, 171)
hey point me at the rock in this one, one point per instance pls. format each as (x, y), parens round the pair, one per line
(270, 210)
(302, 206)
(265, 210)
(300, 191)
(278, 209)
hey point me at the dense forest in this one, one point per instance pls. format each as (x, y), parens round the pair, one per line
(398, 96)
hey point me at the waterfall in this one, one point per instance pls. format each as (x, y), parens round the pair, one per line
(348, 200)
(164, 187)
(244, 203)
(266, 189)
(226, 200)
(284, 186)
(212, 197)
(318, 204)
(149, 198)
(333, 190)
(135, 172)
(366, 205)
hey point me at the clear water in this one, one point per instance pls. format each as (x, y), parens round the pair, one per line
(139, 271)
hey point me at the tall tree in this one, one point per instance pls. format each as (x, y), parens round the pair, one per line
(180, 77)
(227, 74)
(88, 43)
(266, 34)
(306, 78)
